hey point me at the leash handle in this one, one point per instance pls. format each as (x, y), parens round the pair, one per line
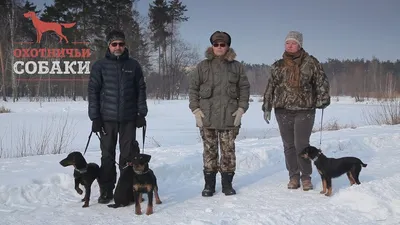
(320, 132)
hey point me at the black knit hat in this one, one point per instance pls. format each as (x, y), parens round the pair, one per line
(115, 35)
(220, 36)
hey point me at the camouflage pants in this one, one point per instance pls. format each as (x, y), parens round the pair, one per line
(226, 140)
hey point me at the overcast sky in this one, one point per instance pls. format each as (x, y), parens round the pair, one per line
(332, 29)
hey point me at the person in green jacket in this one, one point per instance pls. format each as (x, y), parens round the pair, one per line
(297, 87)
(219, 93)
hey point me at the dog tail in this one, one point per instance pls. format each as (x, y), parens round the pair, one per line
(363, 164)
(357, 160)
(68, 25)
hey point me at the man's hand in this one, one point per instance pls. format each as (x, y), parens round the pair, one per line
(267, 116)
(97, 125)
(238, 116)
(321, 105)
(198, 114)
(140, 121)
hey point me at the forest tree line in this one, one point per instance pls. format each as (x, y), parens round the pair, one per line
(359, 78)
(154, 40)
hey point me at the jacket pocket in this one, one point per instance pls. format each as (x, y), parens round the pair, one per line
(233, 89)
(205, 91)
(205, 106)
(205, 75)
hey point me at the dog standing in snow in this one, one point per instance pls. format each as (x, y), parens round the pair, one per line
(84, 173)
(330, 168)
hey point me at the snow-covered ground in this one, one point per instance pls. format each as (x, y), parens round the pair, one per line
(37, 190)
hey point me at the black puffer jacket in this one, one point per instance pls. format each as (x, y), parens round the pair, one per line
(116, 89)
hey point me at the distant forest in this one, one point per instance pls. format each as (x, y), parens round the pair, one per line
(153, 40)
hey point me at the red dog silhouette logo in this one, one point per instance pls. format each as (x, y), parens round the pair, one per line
(42, 26)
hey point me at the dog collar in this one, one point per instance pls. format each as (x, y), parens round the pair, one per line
(141, 173)
(316, 157)
(127, 165)
(84, 170)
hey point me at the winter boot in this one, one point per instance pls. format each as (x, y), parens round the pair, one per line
(106, 195)
(226, 181)
(209, 186)
(307, 185)
(294, 183)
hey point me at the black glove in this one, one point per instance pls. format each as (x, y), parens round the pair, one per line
(140, 121)
(97, 125)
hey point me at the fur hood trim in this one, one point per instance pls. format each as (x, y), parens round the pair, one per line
(229, 56)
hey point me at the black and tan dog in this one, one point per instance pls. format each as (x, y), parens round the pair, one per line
(330, 168)
(84, 173)
(144, 181)
(123, 195)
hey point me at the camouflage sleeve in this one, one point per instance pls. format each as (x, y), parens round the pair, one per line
(269, 91)
(244, 89)
(194, 87)
(321, 83)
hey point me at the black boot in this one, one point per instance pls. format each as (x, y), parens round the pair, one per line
(106, 195)
(226, 181)
(209, 186)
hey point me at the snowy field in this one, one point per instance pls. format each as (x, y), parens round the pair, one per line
(36, 190)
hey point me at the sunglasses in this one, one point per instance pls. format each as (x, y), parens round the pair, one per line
(217, 45)
(114, 44)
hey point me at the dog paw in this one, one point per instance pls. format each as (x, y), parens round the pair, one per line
(113, 206)
(322, 192)
(85, 205)
(79, 191)
(328, 195)
(83, 199)
(138, 210)
(158, 202)
(149, 211)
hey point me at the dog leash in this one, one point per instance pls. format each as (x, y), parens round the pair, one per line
(88, 141)
(144, 136)
(90, 136)
(320, 131)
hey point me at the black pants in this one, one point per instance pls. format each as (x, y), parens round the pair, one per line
(125, 133)
(295, 128)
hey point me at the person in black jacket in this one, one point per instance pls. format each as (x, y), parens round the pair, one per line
(117, 106)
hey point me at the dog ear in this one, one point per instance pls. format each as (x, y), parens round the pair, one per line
(146, 157)
(78, 159)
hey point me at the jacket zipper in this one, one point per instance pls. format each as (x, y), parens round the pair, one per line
(118, 90)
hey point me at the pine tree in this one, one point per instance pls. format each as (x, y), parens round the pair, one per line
(176, 12)
(159, 19)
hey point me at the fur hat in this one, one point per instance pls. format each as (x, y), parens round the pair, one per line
(295, 36)
(115, 35)
(220, 36)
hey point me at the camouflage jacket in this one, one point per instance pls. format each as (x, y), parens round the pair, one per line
(219, 87)
(313, 91)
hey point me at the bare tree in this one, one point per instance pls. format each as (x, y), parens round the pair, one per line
(185, 58)
(3, 73)
(11, 19)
